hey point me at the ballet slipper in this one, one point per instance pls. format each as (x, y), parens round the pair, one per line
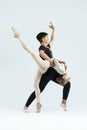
(38, 106)
(25, 109)
(16, 34)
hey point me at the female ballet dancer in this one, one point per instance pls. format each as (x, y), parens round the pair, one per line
(43, 65)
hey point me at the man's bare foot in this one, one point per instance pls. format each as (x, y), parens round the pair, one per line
(63, 105)
(25, 109)
(38, 106)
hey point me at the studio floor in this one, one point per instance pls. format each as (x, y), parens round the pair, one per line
(45, 120)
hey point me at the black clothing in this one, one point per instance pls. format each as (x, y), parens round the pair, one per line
(50, 75)
(46, 50)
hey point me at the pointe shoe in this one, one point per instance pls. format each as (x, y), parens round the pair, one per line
(38, 106)
(63, 106)
(25, 109)
(16, 34)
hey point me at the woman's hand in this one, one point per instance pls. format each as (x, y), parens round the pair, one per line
(16, 34)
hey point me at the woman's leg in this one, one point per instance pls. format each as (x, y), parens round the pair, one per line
(37, 90)
(42, 65)
(36, 85)
(45, 78)
(59, 67)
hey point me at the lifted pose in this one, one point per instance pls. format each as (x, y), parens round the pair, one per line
(45, 61)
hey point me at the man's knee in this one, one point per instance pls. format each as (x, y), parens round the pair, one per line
(68, 85)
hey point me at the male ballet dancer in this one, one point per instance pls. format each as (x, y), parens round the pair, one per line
(62, 78)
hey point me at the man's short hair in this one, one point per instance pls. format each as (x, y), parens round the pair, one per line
(40, 36)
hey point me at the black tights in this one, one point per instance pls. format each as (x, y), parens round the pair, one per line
(50, 75)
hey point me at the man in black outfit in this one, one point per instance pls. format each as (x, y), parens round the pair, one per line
(51, 74)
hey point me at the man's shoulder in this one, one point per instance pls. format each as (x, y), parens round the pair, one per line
(42, 47)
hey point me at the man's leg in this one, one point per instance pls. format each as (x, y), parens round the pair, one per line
(59, 67)
(66, 89)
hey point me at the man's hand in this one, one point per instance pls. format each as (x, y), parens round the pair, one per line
(52, 39)
(51, 26)
(16, 34)
(52, 64)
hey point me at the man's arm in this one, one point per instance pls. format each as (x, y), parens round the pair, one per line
(52, 39)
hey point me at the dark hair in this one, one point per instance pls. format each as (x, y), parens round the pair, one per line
(40, 36)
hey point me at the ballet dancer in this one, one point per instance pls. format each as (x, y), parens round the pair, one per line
(43, 65)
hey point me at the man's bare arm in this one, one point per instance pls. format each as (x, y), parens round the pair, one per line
(52, 39)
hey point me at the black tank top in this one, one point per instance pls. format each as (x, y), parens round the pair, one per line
(46, 50)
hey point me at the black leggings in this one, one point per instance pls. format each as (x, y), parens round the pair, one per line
(50, 75)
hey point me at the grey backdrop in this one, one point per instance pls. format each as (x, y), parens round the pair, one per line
(17, 68)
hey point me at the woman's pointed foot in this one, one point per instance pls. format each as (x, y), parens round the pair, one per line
(25, 109)
(38, 106)
(16, 34)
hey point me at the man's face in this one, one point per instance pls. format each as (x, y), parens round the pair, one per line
(45, 39)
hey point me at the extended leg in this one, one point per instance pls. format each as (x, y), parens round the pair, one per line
(42, 65)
